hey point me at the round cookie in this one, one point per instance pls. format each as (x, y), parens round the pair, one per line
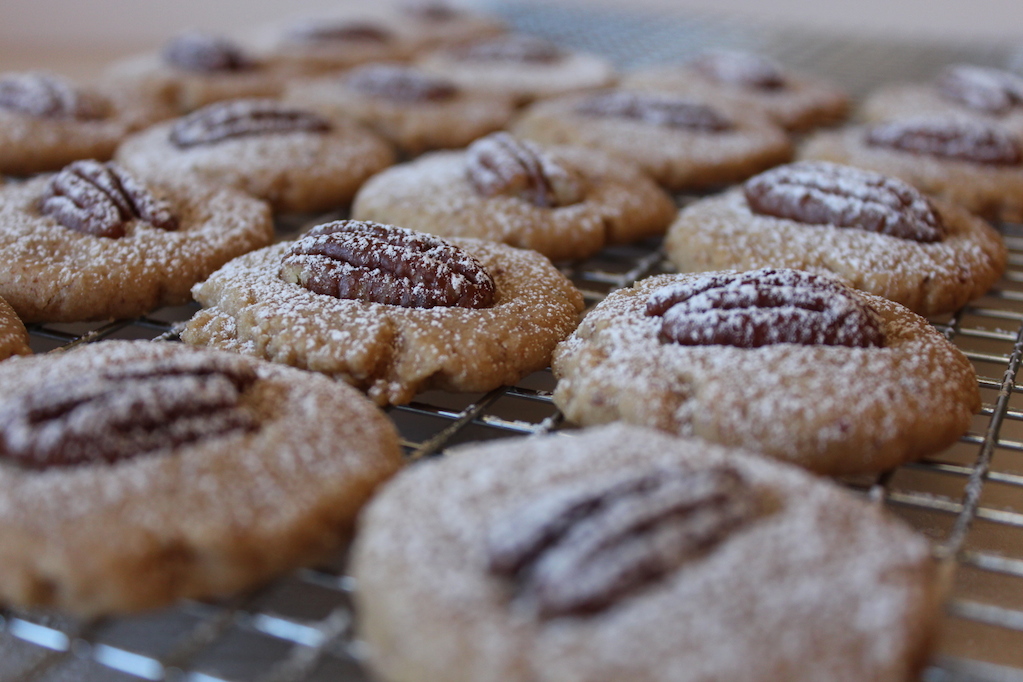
(61, 268)
(431, 23)
(521, 66)
(13, 335)
(397, 344)
(565, 202)
(749, 82)
(834, 409)
(236, 476)
(294, 159)
(414, 110)
(785, 576)
(976, 165)
(928, 277)
(682, 143)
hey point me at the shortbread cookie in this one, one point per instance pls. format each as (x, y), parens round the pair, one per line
(682, 143)
(875, 232)
(432, 23)
(622, 554)
(295, 159)
(795, 365)
(749, 82)
(991, 96)
(977, 165)
(135, 473)
(94, 242)
(414, 110)
(565, 202)
(389, 310)
(13, 335)
(522, 66)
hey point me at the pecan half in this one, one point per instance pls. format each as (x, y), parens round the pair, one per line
(581, 549)
(121, 411)
(399, 84)
(654, 109)
(764, 307)
(385, 264)
(821, 193)
(514, 48)
(204, 53)
(44, 96)
(740, 68)
(241, 118)
(989, 90)
(961, 140)
(501, 164)
(429, 10)
(322, 31)
(101, 198)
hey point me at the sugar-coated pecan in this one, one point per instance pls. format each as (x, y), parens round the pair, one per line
(101, 198)
(429, 10)
(989, 90)
(764, 307)
(583, 548)
(241, 118)
(322, 31)
(514, 48)
(204, 53)
(500, 164)
(385, 264)
(740, 68)
(399, 83)
(121, 411)
(655, 109)
(821, 193)
(44, 96)
(950, 139)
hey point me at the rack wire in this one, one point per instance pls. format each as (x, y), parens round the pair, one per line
(968, 499)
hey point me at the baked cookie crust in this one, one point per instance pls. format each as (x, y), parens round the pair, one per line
(13, 335)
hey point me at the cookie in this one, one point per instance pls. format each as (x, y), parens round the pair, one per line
(751, 82)
(389, 310)
(414, 110)
(94, 242)
(875, 232)
(991, 96)
(13, 335)
(234, 476)
(620, 553)
(797, 366)
(682, 143)
(430, 24)
(565, 202)
(294, 159)
(974, 164)
(520, 66)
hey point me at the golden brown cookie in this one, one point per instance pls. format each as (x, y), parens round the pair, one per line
(619, 553)
(13, 335)
(682, 143)
(875, 232)
(434, 23)
(745, 81)
(295, 159)
(565, 202)
(414, 110)
(977, 165)
(389, 310)
(94, 242)
(797, 366)
(234, 475)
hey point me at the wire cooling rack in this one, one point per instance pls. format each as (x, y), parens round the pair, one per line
(968, 499)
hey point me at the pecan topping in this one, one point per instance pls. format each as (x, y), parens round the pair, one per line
(205, 54)
(121, 411)
(320, 31)
(989, 90)
(579, 550)
(101, 198)
(501, 164)
(740, 68)
(385, 264)
(961, 140)
(820, 193)
(399, 84)
(240, 118)
(515, 48)
(429, 10)
(655, 109)
(43, 96)
(764, 307)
